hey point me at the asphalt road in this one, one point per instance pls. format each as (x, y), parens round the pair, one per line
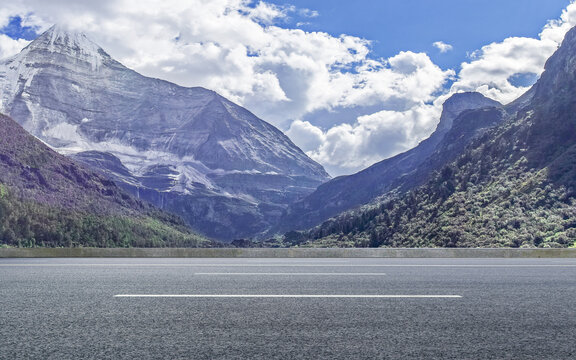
(279, 309)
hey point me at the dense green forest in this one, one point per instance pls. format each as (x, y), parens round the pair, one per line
(25, 223)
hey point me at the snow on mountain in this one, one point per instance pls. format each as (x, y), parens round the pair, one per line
(188, 150)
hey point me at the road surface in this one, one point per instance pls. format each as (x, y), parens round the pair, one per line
(287, 309)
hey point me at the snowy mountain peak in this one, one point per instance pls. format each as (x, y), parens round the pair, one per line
(56, 50)
(73, 44)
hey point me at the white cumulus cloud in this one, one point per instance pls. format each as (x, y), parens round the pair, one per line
(307, 136)
(9, 46)
(442, 46)
(491, 68)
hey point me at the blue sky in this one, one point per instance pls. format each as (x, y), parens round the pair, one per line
(351, 83)
(16, 30)
(415, 25)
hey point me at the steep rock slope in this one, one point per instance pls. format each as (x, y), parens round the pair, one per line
(514, 186)
(187, 150)
(405, 170)
(48, 200)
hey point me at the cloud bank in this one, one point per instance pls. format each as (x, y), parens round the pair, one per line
(287, 76)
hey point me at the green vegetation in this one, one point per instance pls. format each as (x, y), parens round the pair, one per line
(501, 215)
(31, 224)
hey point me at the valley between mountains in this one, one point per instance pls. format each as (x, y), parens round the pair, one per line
(95, 154)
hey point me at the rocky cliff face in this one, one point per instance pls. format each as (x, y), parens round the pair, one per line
(550, 124)
(187, 150)
(403, 171)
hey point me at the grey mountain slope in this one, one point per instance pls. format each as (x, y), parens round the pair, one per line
(188, 150)
(404, 170)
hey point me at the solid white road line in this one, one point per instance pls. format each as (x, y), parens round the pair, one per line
(288, 274)
(288, 296)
